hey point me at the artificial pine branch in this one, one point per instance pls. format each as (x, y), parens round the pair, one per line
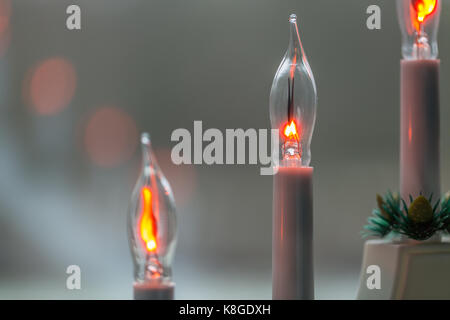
(419, 221)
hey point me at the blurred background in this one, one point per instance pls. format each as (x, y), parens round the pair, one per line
(73, 104)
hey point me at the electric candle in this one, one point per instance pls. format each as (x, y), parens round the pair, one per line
(152, 230)
(419, 98)
(293, 102)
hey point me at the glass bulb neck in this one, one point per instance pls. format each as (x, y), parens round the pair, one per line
(421, 47)
(153, 268)
(291, 150)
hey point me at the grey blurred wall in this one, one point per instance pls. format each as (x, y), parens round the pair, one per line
(166, 64)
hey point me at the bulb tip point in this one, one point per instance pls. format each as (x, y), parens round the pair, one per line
(145, 138)
(293, 18)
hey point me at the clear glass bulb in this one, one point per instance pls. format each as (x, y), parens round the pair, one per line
(419, 22)
(293, 101)
(151, 221)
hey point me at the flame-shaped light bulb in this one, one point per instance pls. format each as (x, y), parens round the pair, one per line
(293, 101)
(419, 22)
(152, 222)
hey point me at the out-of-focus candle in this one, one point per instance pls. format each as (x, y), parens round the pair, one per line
(152, 230)
(419, 129)
(419, 99)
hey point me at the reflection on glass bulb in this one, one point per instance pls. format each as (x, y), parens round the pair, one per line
(293, 101)
(151, 221)
(419, 21)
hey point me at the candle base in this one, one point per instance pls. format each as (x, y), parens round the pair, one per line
(408, 270)
(152, 291)
(292, 234)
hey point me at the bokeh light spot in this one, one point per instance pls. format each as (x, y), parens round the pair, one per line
(110, 137)
(5, 13)
(51, 85)
(5, 33)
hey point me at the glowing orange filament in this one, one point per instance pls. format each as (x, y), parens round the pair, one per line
(290, 131)
(423, 8)
(147, 226)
